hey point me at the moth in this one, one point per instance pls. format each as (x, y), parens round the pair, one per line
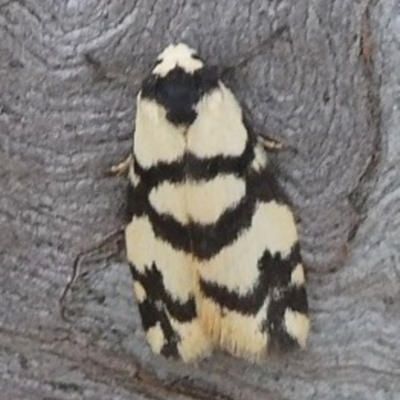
(212, 241)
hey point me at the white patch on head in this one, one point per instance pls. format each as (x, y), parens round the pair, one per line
(297, 325)
(236, 266)
(155, 337)
(140, 292)
(200, 201)
(218, 128)
(297, 276)
(238, 334)
(260, 158)
(144, 249)
(179, 55)
(156, 139)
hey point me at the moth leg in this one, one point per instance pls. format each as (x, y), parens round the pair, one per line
(271, 143)
(123, 167)
(113, 237)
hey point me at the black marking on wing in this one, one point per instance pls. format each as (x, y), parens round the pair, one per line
(152, 281)
(131, 202)
(136, 196)
(208, 168)
(204, 241)
(191, 167)
(154, 308)
(291, 297)
(151, 313)
(275, 274)
(137, 200)
(179, 92)
(170, 349)
(275, 270)
(266, 188)
(168, 229)
(209, 240)
(295, 299)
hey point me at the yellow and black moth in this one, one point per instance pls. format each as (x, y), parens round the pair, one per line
(211, 240)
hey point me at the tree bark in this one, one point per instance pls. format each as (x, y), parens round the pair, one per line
(325, 80)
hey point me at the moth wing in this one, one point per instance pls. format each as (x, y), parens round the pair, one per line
(252, 291)
(163, 283)
(281, 268)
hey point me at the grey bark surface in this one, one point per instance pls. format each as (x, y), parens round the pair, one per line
(326, 80)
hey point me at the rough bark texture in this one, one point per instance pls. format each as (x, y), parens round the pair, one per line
(327, 81)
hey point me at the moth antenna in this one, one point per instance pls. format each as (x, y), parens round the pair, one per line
(254, 52)
(79, 259)
(268, 142)
(108, 73)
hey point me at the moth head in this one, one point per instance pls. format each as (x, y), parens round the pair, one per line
(177, 56)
